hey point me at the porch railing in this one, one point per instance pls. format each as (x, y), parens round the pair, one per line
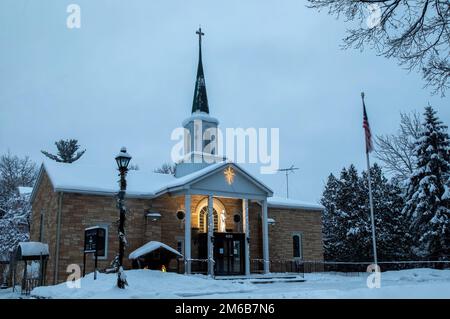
(198, 266)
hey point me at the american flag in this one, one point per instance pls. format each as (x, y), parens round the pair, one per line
(366, 126)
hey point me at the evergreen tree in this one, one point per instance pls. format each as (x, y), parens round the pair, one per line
(67, 151)
(391, 229)
(347, 228)
(331, 240)
(427, 197)
(353, 218)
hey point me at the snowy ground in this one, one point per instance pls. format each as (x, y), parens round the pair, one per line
(415, 283)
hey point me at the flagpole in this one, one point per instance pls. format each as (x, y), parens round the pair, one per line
(374, 243)
(368, 150)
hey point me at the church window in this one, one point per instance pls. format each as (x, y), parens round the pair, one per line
(204, 219)
(297, 245)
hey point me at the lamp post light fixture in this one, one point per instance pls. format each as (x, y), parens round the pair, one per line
(122, 159)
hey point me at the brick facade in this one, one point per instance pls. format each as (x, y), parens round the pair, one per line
(79, 211)
(289, 222)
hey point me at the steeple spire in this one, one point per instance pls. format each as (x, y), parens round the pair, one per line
(200, 103)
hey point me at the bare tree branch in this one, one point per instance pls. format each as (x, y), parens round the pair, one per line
(166, 168)
(415, 32)
(396, 151)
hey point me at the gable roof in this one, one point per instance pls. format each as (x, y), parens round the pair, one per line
(150, 247)
(103, 180)
(199, 175)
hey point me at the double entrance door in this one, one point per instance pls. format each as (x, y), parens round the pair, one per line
(229, 255)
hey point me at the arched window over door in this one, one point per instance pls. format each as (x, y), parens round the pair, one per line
(219, 214)
(204, 219)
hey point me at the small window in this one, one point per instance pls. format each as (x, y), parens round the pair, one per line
(297, 245)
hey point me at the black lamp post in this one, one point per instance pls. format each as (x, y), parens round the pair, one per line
(122, 159)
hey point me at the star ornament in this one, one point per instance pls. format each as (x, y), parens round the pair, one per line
(229, 175)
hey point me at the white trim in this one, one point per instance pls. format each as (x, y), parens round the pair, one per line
(200, 116)
(187, 234)
(106, 228)
(218, 206)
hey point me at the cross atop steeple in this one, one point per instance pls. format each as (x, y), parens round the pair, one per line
(200, 103)
(200, 34)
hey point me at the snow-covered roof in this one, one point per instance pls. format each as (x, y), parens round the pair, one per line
(151, 246)
(177, 182)
(200, 116)
(102, 180)
(280, 202)
(23, 190)
(33, 248)
(92, 179)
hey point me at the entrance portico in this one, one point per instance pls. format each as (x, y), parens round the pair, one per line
(209, 220)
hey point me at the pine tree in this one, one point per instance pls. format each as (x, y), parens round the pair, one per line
(67, 151)
(391, 229)
(354, 218)
(427, 197)
(331, 240)
(347, 228)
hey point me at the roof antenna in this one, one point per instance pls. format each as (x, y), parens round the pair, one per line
(288, 170)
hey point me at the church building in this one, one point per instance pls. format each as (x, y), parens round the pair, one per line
(211, 216)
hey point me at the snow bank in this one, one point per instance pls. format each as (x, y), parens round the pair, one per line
(149, 247)
(414, 283)
(143, 284)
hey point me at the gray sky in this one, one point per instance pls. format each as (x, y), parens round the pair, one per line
(127, 78)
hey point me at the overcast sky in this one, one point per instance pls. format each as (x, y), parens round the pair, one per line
(126, 77)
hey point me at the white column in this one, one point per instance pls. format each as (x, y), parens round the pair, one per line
(210, 236)
(187, 234)
(247, 235)
(265, 234)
